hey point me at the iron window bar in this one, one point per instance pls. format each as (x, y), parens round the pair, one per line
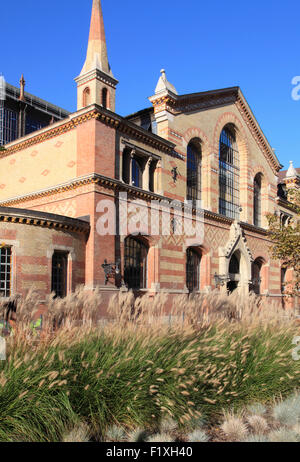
(229, 175)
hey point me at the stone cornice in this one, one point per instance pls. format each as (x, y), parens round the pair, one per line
(194, 101)
(253, 229)
(92, 112)
(108, 183)
(96, 74)
(44, 220)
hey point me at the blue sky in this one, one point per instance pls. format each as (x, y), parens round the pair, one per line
(202, 45)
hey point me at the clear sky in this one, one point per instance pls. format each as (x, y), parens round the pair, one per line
(203, 45)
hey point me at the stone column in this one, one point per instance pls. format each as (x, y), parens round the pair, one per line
(122, 149)
(130, 166)
(146, 174)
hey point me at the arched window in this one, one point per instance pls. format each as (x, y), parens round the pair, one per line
(135, 263)
(59, 273)
(229, 174)
(283, 284)
(192, 270)
(86, 97)
(256, 276)
(104, 97)
(137, 173)
(126, 165)
(283, 279)
(6, 270)
(257, 200)
(194, 158)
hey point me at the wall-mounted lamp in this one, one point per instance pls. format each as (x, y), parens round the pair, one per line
(111, 270)
(175, 174)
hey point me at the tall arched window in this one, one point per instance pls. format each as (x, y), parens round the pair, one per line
(104, 97)
(135, 263)
(229, 174)
(283, 279)
(192, 269)
(126, 165)
(6, 271)
(59, 273)
(283, 283)
(257, 200)
(86, 96)
(194, 158)
(137, 173)
(256, 276)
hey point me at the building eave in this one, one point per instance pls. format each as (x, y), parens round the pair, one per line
(44, 220)
(91, 112)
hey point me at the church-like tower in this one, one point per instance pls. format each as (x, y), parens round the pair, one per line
(96, 83)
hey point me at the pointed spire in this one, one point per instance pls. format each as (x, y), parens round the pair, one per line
(96, 57)
(22, 88)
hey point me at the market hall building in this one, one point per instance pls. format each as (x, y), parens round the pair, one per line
(203, 146)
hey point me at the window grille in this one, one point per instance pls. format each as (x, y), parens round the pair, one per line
(193, 173)
(192, 270)
(8, 125)
(135, 268)
(59, 273)
(229, 175)
(5, 271)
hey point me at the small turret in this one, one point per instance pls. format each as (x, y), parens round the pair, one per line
(291, 180)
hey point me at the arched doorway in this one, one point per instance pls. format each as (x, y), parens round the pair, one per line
(234, 272)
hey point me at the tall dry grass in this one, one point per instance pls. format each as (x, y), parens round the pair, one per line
(142, 366)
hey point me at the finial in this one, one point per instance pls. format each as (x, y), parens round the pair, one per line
(292, 172)
(22, 87)
(164, 85)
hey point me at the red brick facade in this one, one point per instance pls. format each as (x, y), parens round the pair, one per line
(98, 149)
